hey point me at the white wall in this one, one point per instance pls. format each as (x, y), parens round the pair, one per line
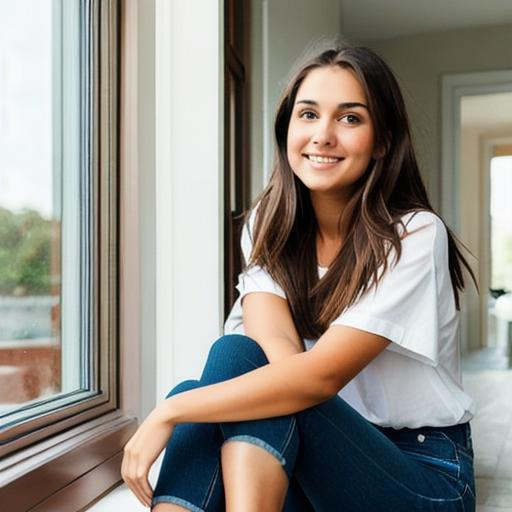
(189, 194)
(282, 33)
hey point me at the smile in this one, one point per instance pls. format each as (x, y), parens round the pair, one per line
(323, 159)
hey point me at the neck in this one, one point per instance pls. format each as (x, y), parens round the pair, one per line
(328, 212)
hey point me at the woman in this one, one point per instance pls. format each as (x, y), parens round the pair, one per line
(338, 387)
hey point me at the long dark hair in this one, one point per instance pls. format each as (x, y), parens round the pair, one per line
(284, 238)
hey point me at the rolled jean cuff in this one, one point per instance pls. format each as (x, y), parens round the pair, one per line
(177, 501)
(262, 444)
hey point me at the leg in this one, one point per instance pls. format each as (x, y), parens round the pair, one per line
(257, 456)
(254, 480)
(229, 357)
(190, 476)
(346, 462)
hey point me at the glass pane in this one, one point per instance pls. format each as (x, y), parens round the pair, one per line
(501, 224)
(42, 229)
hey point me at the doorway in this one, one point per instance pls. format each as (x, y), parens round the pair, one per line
(477, 180)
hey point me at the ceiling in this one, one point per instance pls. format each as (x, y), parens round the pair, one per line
(487, 110)
(366, 20)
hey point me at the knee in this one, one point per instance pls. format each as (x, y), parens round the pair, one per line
(237, 346)
(230, 356)
(186, 385)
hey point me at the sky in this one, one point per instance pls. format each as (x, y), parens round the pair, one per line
(25, 105)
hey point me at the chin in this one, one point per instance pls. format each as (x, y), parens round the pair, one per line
(322, 188)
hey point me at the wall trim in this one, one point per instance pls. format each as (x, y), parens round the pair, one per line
(189, 187)
(453, 87)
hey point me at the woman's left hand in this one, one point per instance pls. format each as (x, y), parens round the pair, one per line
(141, 451)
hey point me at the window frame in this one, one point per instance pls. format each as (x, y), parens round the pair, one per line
(237, 175)
(55, 455)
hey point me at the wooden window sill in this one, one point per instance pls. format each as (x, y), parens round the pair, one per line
(69, 471)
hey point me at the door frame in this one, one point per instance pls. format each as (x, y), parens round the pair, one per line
(453, 88)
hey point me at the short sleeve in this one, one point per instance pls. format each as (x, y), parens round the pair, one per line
(403, 307)
(254, 278)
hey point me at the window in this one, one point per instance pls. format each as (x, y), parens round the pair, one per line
(501, 230)
(58, 251)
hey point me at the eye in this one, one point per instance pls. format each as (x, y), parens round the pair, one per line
(350, 118)
(307, 114)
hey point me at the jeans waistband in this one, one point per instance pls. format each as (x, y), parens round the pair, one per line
(460, 434)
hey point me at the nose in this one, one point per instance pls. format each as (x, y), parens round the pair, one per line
(324, 134)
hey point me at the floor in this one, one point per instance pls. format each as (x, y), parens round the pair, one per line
(489, 381)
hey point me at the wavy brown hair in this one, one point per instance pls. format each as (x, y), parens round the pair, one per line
(284, 237)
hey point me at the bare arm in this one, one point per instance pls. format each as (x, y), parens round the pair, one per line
(293, 381)
(289, 384)
(283, 387)
(268, 320)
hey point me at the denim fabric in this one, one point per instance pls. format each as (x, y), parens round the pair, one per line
(334, 458)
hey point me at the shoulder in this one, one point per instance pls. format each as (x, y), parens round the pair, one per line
(429, 224)
(421, 219)
(423, 232)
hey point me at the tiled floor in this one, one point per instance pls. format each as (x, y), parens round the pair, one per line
(491, 428)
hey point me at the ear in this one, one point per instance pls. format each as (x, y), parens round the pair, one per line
(381, 151)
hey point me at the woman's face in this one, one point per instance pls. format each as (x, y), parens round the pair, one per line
(330, 135)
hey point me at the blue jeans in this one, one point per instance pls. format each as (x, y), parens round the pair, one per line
(334, 458)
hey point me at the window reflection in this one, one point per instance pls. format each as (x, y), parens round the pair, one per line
(39, 200)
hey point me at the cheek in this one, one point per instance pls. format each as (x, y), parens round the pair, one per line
(362, 144)
(294, 145)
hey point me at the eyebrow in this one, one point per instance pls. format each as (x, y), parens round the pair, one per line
(341, 106)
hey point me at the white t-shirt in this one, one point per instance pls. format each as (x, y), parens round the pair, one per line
(416, 381)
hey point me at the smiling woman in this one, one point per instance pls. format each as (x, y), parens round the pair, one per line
(330, 130)
(328, 376)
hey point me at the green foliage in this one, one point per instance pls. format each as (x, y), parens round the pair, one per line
(25, 246)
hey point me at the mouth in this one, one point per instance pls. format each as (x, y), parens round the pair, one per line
(323, 159)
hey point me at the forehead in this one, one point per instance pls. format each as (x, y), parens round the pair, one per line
(331, 84)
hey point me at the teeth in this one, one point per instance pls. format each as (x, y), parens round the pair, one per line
(322, 159)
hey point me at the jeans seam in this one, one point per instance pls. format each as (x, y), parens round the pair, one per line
(252, 362)
(261, 443)
(468, 488)
(456, 453)
(420, 457)
(177, 501)
(289, 434)
(400, 484)
(209, 492)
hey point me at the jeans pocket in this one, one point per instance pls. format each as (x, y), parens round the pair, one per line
(434, 450)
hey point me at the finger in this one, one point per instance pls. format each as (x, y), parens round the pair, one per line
(143, 487)
(138, 493)
(131, 479)
(148, 491)
(133, 488)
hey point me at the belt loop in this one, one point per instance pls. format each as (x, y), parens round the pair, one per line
(469, 441)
